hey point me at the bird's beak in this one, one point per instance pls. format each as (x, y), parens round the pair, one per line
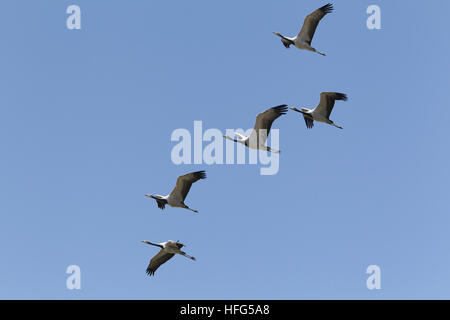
(145, 241)
(148, 195)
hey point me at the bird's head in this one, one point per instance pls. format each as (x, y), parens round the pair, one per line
(145, 241)
(277, 34)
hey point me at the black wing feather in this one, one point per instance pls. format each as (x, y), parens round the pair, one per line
(161, 203)
(309, 121)
(151, 269)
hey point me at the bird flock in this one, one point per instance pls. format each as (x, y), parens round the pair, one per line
(256, 140)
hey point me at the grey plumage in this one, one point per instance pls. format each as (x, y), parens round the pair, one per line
(327, 100)
(312, 21)
(323, 110)
(304, 38)
(264, 121)
(185, 182)
(178, 195)
(168, 250)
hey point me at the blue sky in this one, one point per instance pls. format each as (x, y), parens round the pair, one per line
(85, 123)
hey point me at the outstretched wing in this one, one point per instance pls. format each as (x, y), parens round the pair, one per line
(160, 258)
(306, 34)
(264, 121)
(326, 103)
(185, 182)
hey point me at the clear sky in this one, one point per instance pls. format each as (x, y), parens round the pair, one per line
(85, 123)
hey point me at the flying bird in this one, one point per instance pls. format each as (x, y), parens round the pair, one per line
(258, 137)
(322, 112)
(303, 39)
(168, 250)
(178, 195)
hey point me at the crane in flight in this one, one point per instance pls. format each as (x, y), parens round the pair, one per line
(168, 250)
(178, 195)
(263, 124)
(303, 39)
(322, 112)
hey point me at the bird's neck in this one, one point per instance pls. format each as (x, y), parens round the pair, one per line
(154, 244)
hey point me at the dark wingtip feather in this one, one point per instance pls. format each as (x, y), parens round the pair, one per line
(281, 109)
(342, 96)
(200, 174)
(327, 8)
(161, 205)
(309, 122)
